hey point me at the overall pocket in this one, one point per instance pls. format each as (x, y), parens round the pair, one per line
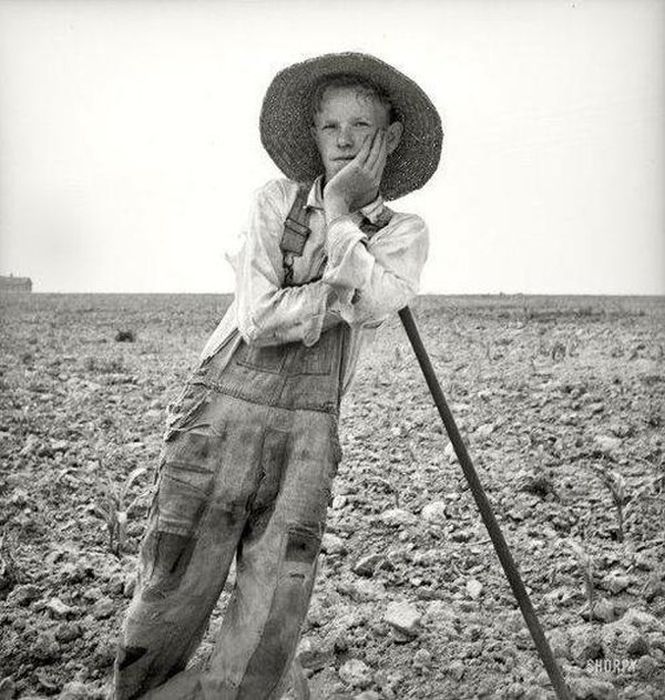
(316, 359)
(186, 480)
(269, 358)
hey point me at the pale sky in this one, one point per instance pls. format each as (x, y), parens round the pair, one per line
(129, 142)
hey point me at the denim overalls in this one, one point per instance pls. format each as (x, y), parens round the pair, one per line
(246, 470)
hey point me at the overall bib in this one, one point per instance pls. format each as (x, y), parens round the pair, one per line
(246, 471)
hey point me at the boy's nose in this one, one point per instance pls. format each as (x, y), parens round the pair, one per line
(344, 138)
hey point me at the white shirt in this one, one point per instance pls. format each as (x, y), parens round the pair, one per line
(373, 276)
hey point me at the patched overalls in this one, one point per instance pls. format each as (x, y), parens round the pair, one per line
(246, 470)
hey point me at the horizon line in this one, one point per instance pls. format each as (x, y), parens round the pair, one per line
(9, 292)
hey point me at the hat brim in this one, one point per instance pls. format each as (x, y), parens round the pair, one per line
(286, 120)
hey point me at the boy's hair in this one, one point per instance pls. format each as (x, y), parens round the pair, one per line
(363, 86)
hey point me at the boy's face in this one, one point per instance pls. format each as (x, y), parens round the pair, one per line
(346, 116)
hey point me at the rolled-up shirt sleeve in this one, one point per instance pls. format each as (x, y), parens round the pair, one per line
(266, 313)
(378, 276)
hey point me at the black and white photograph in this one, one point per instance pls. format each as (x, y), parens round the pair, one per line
(332, 350)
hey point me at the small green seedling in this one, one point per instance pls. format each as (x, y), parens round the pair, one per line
(616, 485)
(112, 506)
(585, 563)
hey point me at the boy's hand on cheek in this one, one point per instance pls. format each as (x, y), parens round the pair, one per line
(357, 183)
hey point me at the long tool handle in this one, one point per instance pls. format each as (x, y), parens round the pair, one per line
(485, 509)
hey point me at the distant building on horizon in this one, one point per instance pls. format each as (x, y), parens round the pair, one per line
(15, 284)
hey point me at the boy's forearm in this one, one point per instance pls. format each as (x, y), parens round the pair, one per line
(377, 277)
(289, 315)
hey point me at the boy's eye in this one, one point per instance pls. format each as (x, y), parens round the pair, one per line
(362, 124)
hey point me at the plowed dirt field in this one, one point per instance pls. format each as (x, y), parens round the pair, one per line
(560, 401)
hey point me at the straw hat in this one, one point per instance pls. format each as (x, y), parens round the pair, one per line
(286, 120)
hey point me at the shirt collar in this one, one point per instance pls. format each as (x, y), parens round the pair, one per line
(371, 211)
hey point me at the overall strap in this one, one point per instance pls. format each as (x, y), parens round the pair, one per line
(296, 232)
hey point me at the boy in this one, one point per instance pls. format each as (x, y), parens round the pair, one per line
(252, 447)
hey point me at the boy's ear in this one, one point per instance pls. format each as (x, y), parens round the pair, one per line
(394, 134)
